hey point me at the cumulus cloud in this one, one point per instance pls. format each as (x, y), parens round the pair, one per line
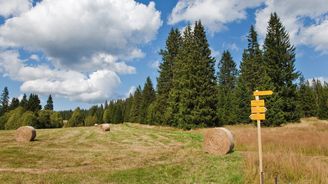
(306, 21)
(154, 64)
(71, 31)
(87, 43)
(95, 87)
(14, 7)
(213, 13)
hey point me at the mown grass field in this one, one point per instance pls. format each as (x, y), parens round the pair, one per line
(133, 153)
(130, 153)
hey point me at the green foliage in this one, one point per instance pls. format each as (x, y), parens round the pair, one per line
(14, 104)
(90, 120)
(279, 60)
(14, 118)
(148, 96)
(192, 100)
(227, 101)
(29, 119)
(56, 120)
(165, 79)
(107, 117)
(306, 99)
(33, 103)
(135, 113)
(4, 101)
(50, 104)
(77, 119)
(44, 119)
(24, 103)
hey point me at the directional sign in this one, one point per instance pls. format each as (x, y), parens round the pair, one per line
(257, 103)
(262, 93)
(258, 109)
(257, 116)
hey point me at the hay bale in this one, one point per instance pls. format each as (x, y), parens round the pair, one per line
(218, 141)
(25, 134)
(105, 127)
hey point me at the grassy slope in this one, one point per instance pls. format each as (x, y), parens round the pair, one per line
(130, 153)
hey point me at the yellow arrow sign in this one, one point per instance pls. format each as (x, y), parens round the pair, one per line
(262, 93)
(257, 103)
(258, 109)
(257, 116)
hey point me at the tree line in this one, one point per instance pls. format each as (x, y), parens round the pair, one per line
(192, 91)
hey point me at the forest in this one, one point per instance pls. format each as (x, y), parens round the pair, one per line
(190, 93)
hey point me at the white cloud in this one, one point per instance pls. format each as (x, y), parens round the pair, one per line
(154, 64)
(14, 7)
(34, 57)
(85, 44)
(71, 31)
(306, 21)
(95, 87)
(214, 14)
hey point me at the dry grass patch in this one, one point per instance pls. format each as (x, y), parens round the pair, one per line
(297, 153)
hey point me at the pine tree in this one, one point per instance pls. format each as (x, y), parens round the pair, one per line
(49, 105)
(192, 100)
(14, 104)
(148, 96)
(33, 103)
(135, 113)
(106, 116)
(252, 76)
(23, 103)
(279, 59)
(322, 99)
(4, 101)
(165, 79)
(227, 102)
(306, 99)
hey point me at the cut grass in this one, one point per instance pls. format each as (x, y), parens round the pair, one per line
(130, 153)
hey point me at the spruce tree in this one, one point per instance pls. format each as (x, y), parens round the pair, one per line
(227, 102)
(179, 108)
(23, 103)
(49, 105)
(279, 59)
(14, 104)
(252, 76)
(165, 79)
(136, 106)
(4, 101)
(148, 96)
(306, 99)
(33, 103)
(192, 100)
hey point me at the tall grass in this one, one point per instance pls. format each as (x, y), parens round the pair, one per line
(295, 153)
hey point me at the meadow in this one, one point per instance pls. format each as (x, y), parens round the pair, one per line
(135, 153)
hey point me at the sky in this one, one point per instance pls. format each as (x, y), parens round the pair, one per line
(84, 52)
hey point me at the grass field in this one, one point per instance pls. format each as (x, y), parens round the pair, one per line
(133, 153)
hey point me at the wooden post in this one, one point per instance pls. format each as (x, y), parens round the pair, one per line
(259, 138)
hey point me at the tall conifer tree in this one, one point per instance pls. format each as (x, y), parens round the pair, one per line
(165, 79)
(279, 59)
(50, 104)
(227, 77)
(148, 96)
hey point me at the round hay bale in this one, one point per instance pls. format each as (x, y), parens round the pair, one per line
(25, 134)
(218, 141)
(105, 127)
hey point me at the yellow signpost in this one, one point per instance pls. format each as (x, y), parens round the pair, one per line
(258, 113)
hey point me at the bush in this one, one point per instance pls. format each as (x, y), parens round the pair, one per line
(90, 120)
(14, 120)
(29, 119)
(56, 120)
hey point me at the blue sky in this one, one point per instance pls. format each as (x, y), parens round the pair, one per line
(83, 52)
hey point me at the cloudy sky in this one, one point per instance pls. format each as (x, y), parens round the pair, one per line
(84, 52)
